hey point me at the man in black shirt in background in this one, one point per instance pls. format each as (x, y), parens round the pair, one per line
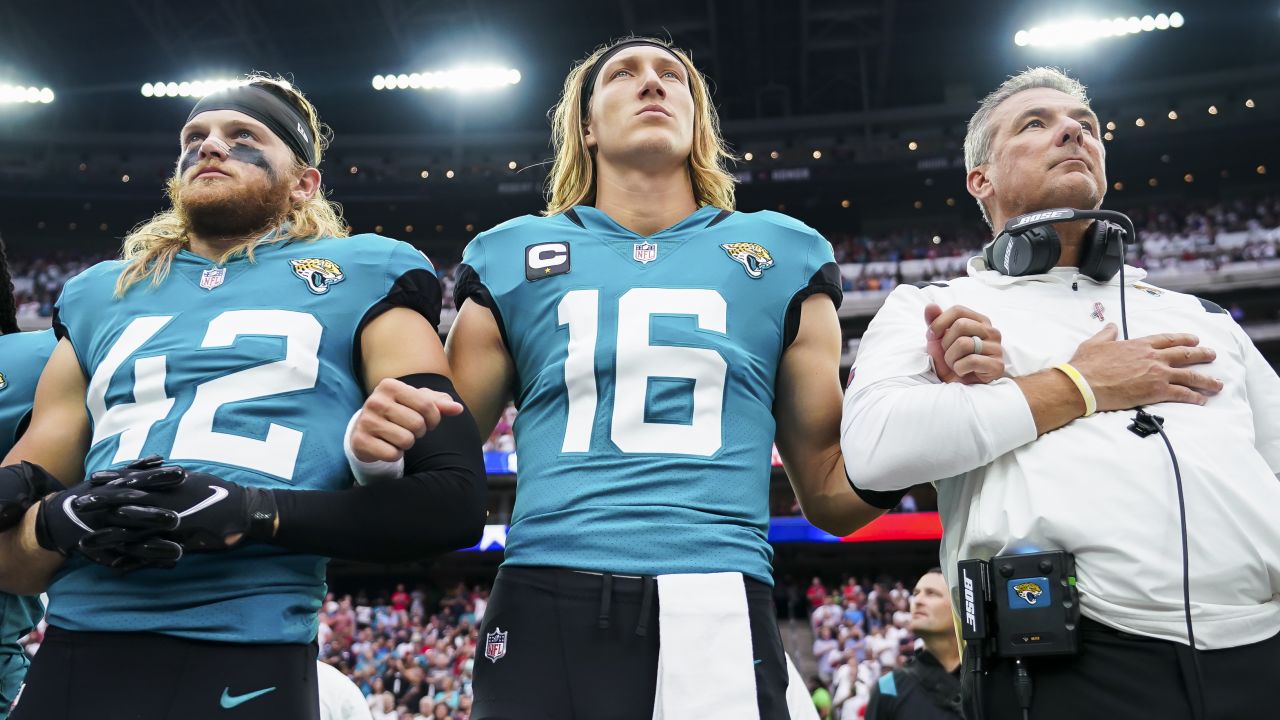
(928, 688)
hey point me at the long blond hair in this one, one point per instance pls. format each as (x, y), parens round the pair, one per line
(151, 246)
(572, 179)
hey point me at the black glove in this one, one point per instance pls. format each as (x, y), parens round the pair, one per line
(22, 486)
(110, 519)
(208, 509)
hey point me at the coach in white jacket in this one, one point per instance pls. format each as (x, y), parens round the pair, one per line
(1025, 462)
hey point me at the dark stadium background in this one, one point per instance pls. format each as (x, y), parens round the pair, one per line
(853, 112)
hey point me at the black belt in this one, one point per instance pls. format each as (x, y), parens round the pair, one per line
(647, 583)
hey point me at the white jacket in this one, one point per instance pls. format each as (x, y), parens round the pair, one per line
(1091, 487)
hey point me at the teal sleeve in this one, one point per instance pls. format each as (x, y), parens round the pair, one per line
(821, 274)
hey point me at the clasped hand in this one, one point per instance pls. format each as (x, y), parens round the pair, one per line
(149, 514)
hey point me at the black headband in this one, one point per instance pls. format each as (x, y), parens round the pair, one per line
(590, 85)
(280, 117)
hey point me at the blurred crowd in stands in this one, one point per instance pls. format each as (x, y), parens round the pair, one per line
(861, 631)
(1203, 236)
(411, 654)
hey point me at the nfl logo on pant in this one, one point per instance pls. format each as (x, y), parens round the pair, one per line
(495, 645)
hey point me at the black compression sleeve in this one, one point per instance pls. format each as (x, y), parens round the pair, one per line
(439, 504)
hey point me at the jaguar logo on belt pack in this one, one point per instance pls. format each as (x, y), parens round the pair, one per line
(495, 645)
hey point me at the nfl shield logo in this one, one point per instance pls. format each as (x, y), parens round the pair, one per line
(645, 252)
(212, 278)
(495, 645)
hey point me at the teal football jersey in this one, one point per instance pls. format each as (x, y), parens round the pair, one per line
(22, 357)
(646, 369)
(249, 372)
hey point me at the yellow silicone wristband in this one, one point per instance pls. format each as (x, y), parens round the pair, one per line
(1086, 392)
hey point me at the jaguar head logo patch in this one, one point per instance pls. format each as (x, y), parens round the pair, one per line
(318, 273)
(753, 257)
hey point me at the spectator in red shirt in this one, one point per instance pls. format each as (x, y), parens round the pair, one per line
(850, 589)
(817, 593)
(400, 598)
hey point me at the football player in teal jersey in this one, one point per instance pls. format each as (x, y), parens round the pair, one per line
(236, 337)
(22, 356)
(656, 343)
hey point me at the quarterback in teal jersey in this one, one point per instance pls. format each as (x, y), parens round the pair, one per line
(236, 337)
(22, 356)
(656, 343)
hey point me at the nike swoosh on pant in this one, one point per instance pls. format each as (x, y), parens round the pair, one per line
(229, 701)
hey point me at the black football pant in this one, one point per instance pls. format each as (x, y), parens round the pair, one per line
(1120, 675)
(146, 676)
(585, 646)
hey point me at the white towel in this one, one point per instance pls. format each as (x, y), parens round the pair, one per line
(799, 701)
(706, 668)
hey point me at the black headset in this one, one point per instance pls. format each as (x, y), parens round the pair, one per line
(1029, 245)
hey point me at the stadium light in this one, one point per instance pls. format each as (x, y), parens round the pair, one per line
(11, 94)
(467, 78)
(1079, 31)
(194, 88)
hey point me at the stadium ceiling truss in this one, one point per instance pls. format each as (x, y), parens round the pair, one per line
(21, 38)
(231, 22)
(408, 21)
(767, 59)
(785, 59)
(845, 47)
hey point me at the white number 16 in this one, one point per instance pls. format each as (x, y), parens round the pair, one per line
(637, 361)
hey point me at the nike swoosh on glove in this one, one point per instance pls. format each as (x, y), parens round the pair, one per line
(109, 518)
(208, 510)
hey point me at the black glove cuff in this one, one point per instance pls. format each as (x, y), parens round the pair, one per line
(22, 486)
(262, 515)
(42, 483)
(44, 534)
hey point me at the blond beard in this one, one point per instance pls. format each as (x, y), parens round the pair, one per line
(232, 212)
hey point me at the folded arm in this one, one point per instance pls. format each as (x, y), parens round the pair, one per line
(56, 440)
(807, 409)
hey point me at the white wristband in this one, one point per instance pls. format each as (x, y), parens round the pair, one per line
(374, 470)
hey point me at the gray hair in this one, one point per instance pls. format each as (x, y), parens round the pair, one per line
(977, 140)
